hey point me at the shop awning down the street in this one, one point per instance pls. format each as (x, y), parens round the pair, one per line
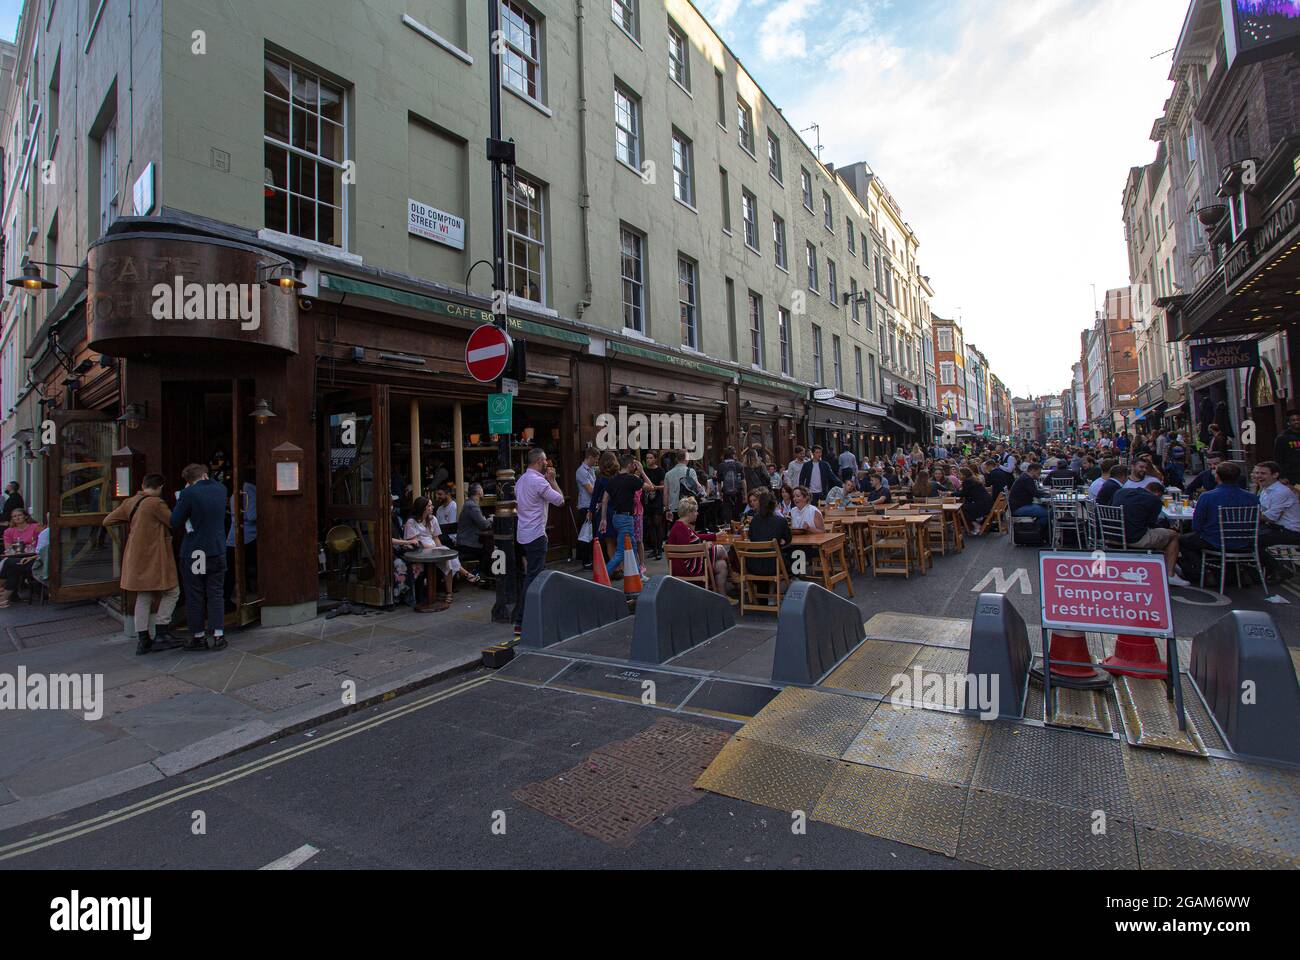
(894, 426)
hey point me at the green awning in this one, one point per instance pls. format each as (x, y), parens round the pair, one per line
(445, 308)
(773, 384)
(617, 346)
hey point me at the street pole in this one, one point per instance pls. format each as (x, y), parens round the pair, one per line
(501, 154)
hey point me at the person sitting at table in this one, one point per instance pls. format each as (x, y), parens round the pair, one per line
(839, 495)
(785, 506)
(1095, 485)
(1143, 474)
(422, 526)
(996, 478)
(1206, 534)
(976, 501)
(921, 489)
(877, 492)
(1115, 482)
(20, 538)
(473, 527)
(1023, 496)
(1142, 510)
(769, 527)
(683, 535)
(751, 505)
(805, 515)
(1060, 471)
(1279, 516)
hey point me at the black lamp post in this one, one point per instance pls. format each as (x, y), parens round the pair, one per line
(500, 153)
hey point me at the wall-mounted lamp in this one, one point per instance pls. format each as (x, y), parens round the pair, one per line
(133, 414)
(31, 280)
(262, 412)
(285, 276)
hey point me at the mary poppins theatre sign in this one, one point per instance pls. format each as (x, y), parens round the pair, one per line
(1229, 355)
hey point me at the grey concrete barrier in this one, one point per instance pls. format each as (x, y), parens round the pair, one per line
(672, 616)
(815, 629)
(999, 649)
(1244, 671)
(561, 606)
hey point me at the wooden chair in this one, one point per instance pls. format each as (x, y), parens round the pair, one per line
(687, 553)
(998, 515)
(891, 548)
(750, 597)
(936, 533)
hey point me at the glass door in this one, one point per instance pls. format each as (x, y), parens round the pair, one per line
(84, 555)
(356, 517)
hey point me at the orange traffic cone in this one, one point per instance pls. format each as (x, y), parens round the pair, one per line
(1133, 651)
(1072, 645)
(631, 572)
(598, 572)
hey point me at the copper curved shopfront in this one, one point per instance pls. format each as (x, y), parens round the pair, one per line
(173, 293)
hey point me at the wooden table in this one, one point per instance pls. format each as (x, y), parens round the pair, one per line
(916, 524)
(827, 546)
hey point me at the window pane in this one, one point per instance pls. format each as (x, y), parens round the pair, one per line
(277, 119)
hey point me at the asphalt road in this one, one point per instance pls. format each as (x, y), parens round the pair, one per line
(420, 781)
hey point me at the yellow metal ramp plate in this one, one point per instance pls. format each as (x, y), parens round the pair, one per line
(1015, 833)
(1081, 709)
(768, 775)
(1055, 766)
(1242, 805)
(810, 721)
(911, 628)
(924, 743)
(1168, 850)
(873, 666)
(1150, 719)
(895, 806)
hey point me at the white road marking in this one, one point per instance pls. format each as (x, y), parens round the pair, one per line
(1003, 584)
(292, 860)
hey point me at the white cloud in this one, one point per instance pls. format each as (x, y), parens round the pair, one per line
(1008, 149)
(719, 12)
(779, 37)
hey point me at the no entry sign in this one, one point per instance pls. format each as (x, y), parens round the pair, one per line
(487, 353)
(1106, 593)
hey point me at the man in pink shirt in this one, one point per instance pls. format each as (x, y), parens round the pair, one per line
(533, 492)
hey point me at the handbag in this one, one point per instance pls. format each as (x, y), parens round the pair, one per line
(584, 535)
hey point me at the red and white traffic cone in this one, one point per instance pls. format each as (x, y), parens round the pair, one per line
(1135, 652)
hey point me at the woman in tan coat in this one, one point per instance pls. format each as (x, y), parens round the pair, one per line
(149, 566)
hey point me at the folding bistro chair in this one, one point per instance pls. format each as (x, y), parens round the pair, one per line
(1239, 535)
(686, 553)
(1060, 483)
(997, 514)
(1065, 519)
(751, 598)
(891, 548)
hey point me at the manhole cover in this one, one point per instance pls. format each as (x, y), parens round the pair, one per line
(625, 786)
(32, 635)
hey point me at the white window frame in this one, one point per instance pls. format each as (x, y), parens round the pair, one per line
(679, 66)
(757, 346)
(805, 187)
(810, 261)
(539, 243)
(530, 24)
(627, 17)
(689, 310)
(683, 169)
(774, 158)
(633, 133)
(745, 126)
(637, 305)
(749, 218)
(783, 337)
(779, 250)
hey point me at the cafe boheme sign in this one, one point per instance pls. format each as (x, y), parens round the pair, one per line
(1229, 355)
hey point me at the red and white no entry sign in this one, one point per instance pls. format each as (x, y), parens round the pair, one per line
(487, 353)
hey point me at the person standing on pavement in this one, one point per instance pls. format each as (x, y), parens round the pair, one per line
(680, 481)
(794, 470)
(731, 484)
(148, 563)
(200, 512)
(817, 477)
(619, 509)
(654, 508)
(1286, 450)
(848, 465)
(13, 499)
(535, 491)
(586, 477)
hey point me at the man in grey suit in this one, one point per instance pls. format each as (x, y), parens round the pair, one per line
(200, 515)
(473, 528)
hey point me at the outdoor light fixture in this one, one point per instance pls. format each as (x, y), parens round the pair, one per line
(31, 279)
(285, 276)
(133, 414)
(262, 412)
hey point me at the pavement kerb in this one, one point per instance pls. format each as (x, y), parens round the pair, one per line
(246, 736)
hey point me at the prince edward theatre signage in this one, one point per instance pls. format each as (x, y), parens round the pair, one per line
(1244, 261)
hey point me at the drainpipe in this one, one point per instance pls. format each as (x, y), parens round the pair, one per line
(584, 197)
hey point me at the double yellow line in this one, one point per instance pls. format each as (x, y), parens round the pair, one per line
(113, 817)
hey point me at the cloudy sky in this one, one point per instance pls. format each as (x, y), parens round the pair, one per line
(1004, 128)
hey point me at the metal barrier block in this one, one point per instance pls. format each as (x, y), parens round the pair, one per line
(1244, 671)
(561, 606)
(999, 648)
(815, 630)
(672, 616)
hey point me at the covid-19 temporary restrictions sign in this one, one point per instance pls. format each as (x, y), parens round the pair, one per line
(1106, 593)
